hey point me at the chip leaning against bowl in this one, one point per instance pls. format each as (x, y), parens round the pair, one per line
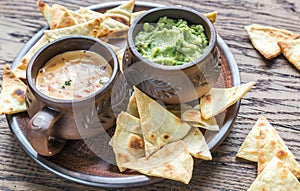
(171, 42)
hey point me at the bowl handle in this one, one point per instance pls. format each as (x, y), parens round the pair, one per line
(39, 132)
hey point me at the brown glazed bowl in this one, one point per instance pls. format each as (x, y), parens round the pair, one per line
(53, 121)
(172, 84)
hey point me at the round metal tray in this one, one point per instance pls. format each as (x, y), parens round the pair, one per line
(76, 162)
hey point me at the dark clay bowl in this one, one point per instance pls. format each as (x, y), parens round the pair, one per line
(172, 84)
(53, 121)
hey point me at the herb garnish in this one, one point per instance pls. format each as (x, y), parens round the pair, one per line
(68, 83)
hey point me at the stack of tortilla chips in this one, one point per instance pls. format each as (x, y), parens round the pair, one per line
(277, 166)
(153, 141)
(271, 42)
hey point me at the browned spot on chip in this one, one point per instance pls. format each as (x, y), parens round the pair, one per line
(41, 4)
(120, 19)
(281, 153)
(136, 143)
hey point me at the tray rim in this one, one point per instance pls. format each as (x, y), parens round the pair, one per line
(130, 181)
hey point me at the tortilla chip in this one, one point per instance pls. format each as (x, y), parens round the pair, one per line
(127, 141)
(90, 14)
(20, 69)
(219, 99)
(173, 162)
(12, 98)
(59, 16)
(135, 15)
(291, 50)
(212, 16)
(271, 145)
(124, 9)
(265, 38)
(90, 28)
(276, 176)
(249, 148)
(196, 144)
(194, 118)
(159, 126)
(132, 107)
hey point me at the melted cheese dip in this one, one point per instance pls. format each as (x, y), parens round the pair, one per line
(73, 75)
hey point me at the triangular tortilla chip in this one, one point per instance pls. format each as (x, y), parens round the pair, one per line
(132, 107)
(124, 9)
(59, 16)
(90, 14)
(291, 50)
(173, 161)
(212, 16)
(265, 38)
(219, 99)
(90, 28)
(127, 141)
(194, 118)
(135, 15)
(12, 98)
(159, 126)
(250, 146)
(20, 69)
(196, 144)
(270, 145)
(276, 176)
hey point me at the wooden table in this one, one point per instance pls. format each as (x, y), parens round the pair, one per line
(276, 94)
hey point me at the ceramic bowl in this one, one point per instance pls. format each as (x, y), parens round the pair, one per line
(172, 84)
(53, 121)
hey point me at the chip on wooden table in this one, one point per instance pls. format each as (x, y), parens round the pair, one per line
(159, 126)
(219, 99)
(172, 161)
(249, 148)
(265, 38)
(270, 145)
(291, 50)
(12, 98)
(275, 176)
(127, 141)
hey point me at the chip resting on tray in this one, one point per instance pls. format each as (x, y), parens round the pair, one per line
(159, 126)
(275, 176)
(172, 161)
(12, 98)
(265, 38)
(127, 141)
(218, 99)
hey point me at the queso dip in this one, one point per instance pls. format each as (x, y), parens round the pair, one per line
(73, 75)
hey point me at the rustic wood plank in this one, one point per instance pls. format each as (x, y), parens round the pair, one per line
(276, 94)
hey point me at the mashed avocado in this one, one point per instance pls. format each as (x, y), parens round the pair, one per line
(171, 42)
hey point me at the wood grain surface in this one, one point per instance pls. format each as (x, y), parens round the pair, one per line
(276, 94)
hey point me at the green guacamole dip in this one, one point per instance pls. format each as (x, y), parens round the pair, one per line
(171, 42)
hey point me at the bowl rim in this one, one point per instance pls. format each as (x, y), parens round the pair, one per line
(37, 92)
(209, 50)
